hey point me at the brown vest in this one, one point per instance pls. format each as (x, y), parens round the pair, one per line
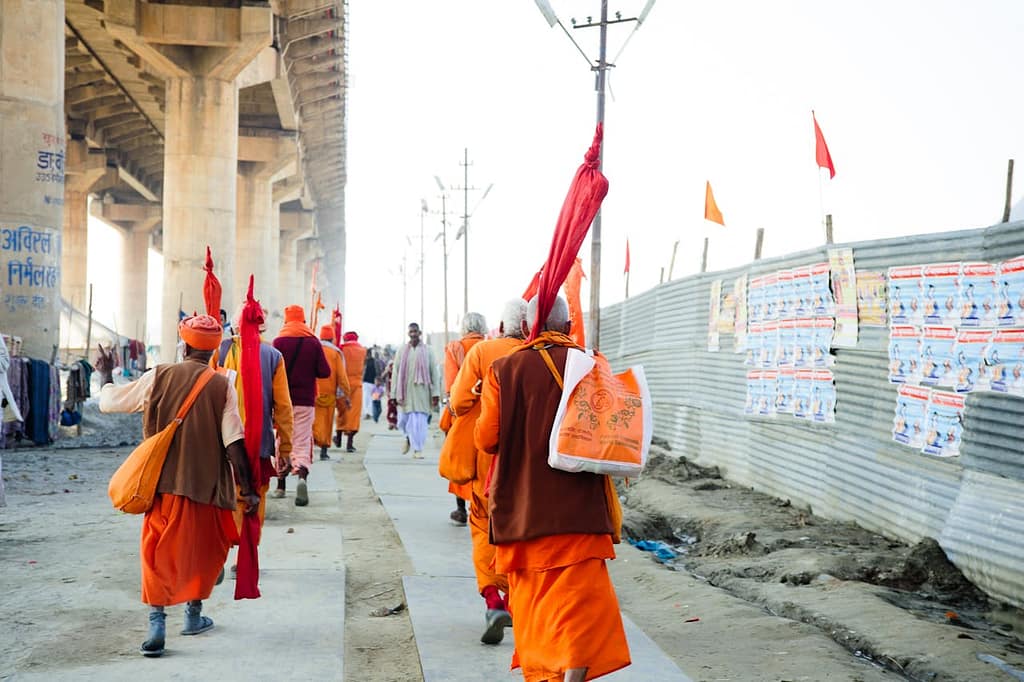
(529, 499)
(197, 465)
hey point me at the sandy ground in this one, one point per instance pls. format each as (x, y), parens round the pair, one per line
(776, 594)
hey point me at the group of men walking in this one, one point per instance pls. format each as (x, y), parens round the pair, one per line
(302, 387)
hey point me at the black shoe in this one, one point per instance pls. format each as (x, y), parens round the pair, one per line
(324, 457)
(497, 620)
(459, 518)
(350, 448)
(337, 439)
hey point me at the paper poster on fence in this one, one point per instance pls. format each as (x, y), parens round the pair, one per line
(785, 295)
(905, 295)
(823, 302)
(911, 406)
(739, 293)
(944, 424)
(802, 389)
(755, 300)
(871, 299)
(784, 388)
(770, 344)
(1005, 358)
(938, 357)
(714, 303)
(978, 295)
(787, 343)
(940, 290)
(727, 313)
(844, 288)
(904, 354)
(1010, 293)
(823, 396)
(972, 373)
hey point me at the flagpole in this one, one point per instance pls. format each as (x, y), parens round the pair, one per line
(627, 283)
(821, 197)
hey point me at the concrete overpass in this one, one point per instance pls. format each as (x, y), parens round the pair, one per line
(195, 122)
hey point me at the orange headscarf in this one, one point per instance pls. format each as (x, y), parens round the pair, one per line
(327, 333)
(295, 322)
(202, 332)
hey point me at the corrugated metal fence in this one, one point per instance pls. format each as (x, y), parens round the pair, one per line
(850, 470)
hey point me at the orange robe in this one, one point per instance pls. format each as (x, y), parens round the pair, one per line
(327, 399)
(355, 358)
(183, 549)
(455, 354)
(564, 610)
(465, 403)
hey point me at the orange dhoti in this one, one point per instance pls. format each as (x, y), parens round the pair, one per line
(323, 421)
(349, 423)
(183, 549)
(565, 614)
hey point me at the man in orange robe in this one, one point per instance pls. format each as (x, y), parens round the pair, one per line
(331, 392)
(465, 404)
(188, 531)
(355, 357)
(474, 326)
(553, 530)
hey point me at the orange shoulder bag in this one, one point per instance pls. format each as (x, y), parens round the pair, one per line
(133, 486)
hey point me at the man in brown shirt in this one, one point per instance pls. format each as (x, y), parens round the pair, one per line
(553, 530)
(187, 533)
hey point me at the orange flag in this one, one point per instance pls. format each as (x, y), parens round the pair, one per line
(571, 287)
(711, 211)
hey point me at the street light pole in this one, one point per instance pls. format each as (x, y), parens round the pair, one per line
(601, 67)
(423, 212)
(465, 232)
(444, 246)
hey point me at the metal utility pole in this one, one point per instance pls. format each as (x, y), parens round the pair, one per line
(423, 212)
(601, 68)
(463, 232)
(1009, 191)
(444, 246)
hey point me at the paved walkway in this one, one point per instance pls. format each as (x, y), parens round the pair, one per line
(295, 631)
(447, 613)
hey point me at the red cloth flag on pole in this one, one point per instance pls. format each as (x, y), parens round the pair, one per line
(626, 271)
(821, 154)
(587, 191)
(711, 211)
(248, 578)
(211, 288)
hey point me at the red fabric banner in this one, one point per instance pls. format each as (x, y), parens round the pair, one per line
(821, 153)
(248, 576)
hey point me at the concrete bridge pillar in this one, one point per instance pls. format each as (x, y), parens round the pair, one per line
(136, 223)
(32, 154)
(83, 168)
(200, 51)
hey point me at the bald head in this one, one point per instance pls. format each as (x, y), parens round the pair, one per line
(558, 318)
(512, 317)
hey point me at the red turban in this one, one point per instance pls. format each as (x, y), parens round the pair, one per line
(202, 332)
(294, 313)
(327, 332)
(351, 336)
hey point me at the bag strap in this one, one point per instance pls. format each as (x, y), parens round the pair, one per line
(203, 379)
(290, 362)
(551, 365)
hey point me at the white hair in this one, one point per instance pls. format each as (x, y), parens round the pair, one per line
(557, 318)
(512, 317)
(474, 322)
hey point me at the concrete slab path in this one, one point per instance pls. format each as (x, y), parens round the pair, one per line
(447, 613)
(295, 631)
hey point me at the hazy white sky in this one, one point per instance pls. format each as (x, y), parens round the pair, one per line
(920, 102)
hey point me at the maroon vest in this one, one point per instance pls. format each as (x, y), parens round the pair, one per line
(529, 499)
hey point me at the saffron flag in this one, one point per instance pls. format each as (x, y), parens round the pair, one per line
(821, 154)
(211, 288)
(626, 271)
(711, 211)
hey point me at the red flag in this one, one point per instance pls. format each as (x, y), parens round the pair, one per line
(711, 211)
(211, 288)
(248, 577)
(581, 204)
(821, 154)
(532, 287)
(336, 323)
(626, 271)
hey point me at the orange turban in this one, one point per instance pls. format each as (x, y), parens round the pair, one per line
(327, 332)
(202, 332)
(294, 313)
